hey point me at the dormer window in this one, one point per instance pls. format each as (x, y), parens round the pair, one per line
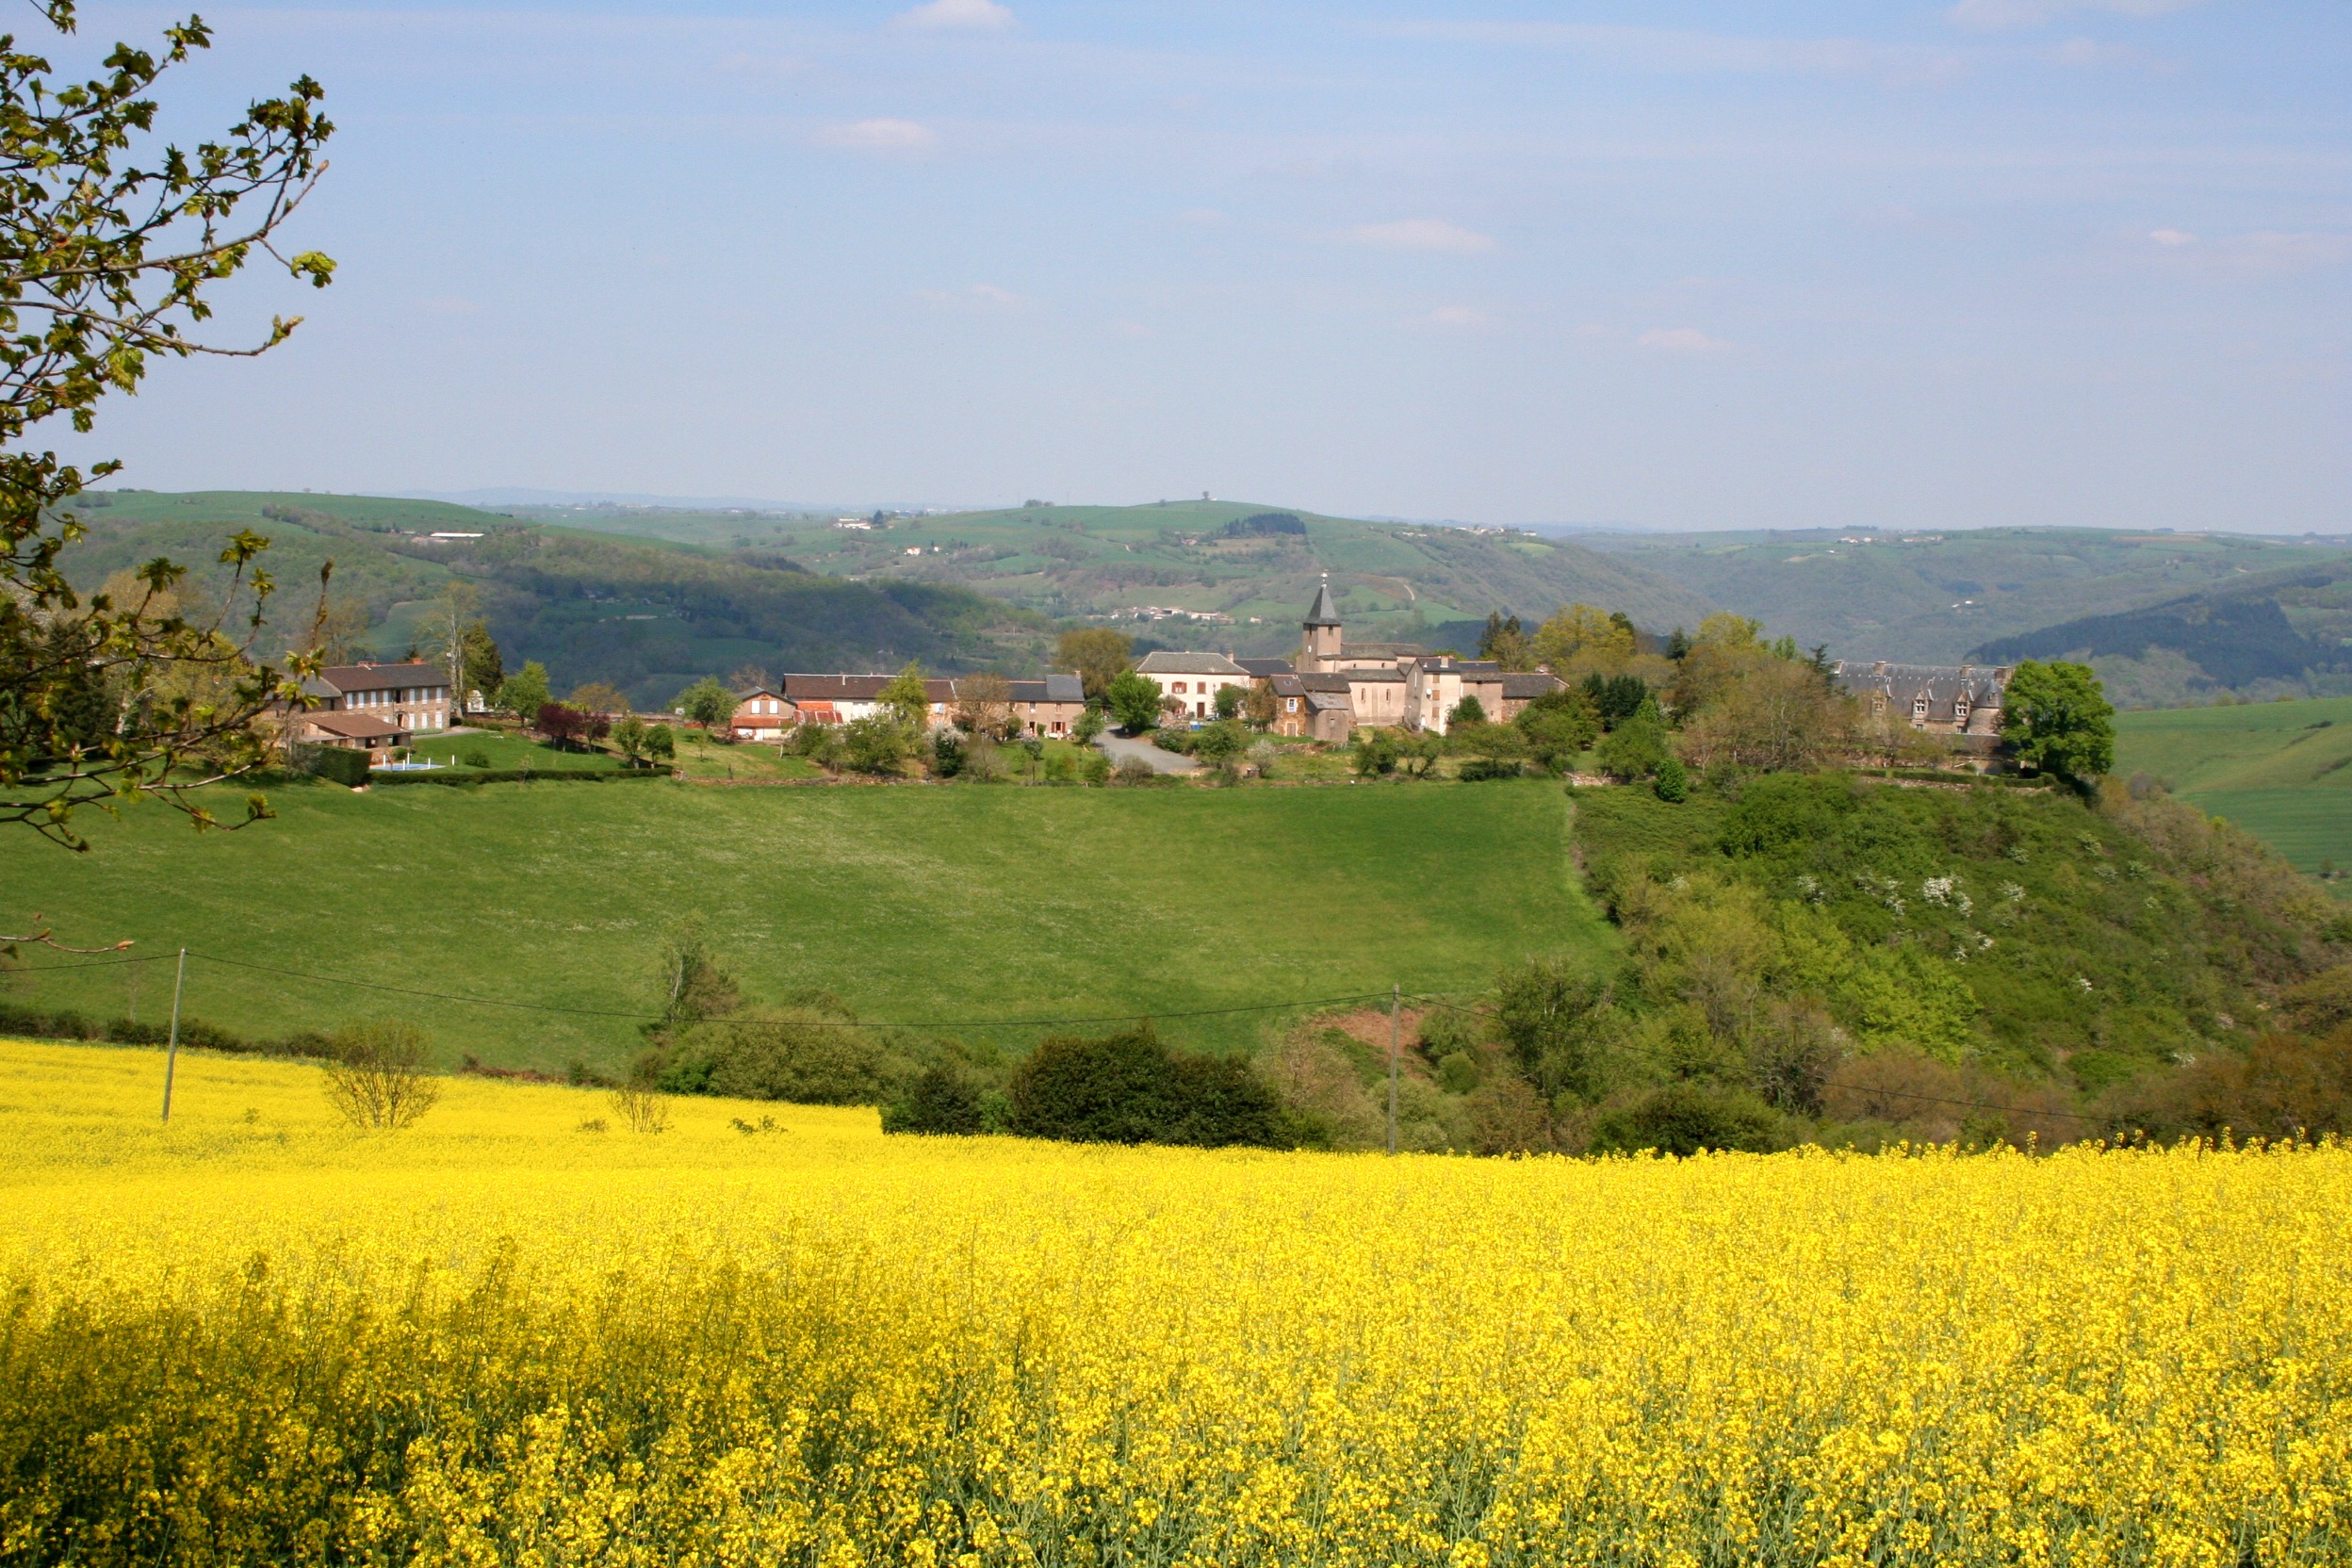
(1918, 709)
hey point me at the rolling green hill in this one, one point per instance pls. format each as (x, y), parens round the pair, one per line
(1936, 597)
(649, 617)
(1395, 581)
(910, 903)
(2281, 770)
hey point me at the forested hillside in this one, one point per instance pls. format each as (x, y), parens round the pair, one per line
(1942, 597)
(649, 617)
(1256, 564)
(2272, 634)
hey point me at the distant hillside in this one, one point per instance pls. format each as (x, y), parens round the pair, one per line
(2274, 634)
(1240, 558)
(1935, 598)
(648, 616)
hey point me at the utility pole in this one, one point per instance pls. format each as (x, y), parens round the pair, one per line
(1395, 996)
(171, 1052)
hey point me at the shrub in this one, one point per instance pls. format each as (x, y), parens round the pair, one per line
(1673, 782)
(474, 756)
(377, 1076)
(336, 764)
(873, 746)
(1135, 770)
(811, 1055)
(1129, 1089)
(1684, 1118)
(1476, 769)
(940, 1102)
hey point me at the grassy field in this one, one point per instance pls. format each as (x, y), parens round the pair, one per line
(519, 1331)
(2281, 770)
(912, 904)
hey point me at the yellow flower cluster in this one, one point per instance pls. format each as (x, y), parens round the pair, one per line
(498, 1337)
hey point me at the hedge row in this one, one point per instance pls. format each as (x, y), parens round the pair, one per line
(519, 776)
(34, 1024)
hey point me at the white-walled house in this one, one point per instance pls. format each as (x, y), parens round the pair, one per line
(1193, 679)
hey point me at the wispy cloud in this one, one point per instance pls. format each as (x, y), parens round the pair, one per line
(957, 16)
(1681, 340)
(986, 296)
(881, 135)
(1422, 233)
(1684, 51)
(1993, 15)
(2265, 253)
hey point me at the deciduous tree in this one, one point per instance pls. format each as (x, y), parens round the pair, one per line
(1098, 654)
(1135, 701)
(109, 247)
(2056, 717)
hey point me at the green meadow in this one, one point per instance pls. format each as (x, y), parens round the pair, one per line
(2281, 770)
(939, 905)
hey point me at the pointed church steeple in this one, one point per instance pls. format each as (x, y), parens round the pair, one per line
(1321, 651)
(1324, 613)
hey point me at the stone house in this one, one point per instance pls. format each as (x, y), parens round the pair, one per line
(413, 696)
(1049, 707)
(1963, 701)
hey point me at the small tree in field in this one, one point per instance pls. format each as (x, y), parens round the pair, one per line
(661, 744)
(908, 702)
(524, 692)
(710, 705)
(560, 722)
(629, 738)
(377, 1077)
(1229, 700)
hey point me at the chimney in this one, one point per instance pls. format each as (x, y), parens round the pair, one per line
(1879, 668)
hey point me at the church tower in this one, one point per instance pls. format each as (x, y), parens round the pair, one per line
(1320, 652)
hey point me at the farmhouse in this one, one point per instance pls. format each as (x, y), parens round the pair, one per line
(1192, 680)
(1049, 707)
(406, 696)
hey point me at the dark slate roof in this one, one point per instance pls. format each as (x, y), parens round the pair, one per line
(1386, 672)
(1943, 685)
(1053, 688)
(1533, 684)
(382, 678)
(1329, 680)
(1189, 664)
(1325, 702)
(1262, 668)
(1324, 613)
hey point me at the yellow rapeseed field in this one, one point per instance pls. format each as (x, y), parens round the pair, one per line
(497, 1338)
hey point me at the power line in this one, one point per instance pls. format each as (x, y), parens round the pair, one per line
(95, 963)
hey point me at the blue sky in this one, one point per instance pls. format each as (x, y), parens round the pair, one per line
(1678, 266)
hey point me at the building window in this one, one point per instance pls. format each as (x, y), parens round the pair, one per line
(1290, 705)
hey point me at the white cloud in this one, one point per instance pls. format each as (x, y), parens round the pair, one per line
(2267, 253)
(1681, 340)
(1679, 50)
(957, 16)
(881, 135)
(1465, 317)
(1422, 233)
(1991, 15)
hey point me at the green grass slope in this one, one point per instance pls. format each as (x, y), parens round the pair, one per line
(1395, 581)
(910, 903)
(1935, 597)
(2281, 770)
